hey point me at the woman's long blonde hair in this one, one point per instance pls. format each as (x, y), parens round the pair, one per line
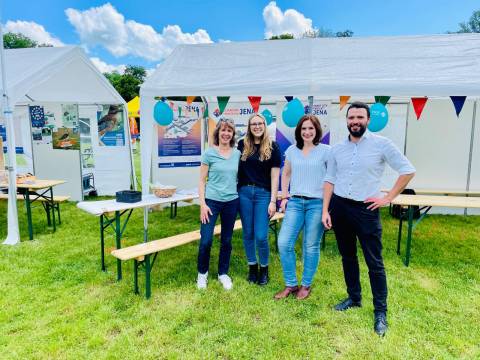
(265, 151)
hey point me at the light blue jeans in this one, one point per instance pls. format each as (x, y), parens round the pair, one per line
(306, 214)
(254, 203)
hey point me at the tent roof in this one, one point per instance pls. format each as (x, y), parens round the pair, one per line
(437, 65)
(56, 74)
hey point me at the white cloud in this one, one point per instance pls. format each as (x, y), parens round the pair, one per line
(104, 67)
(34, 31)
(106, 27)
(291, 21)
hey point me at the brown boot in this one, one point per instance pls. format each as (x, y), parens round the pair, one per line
(289, 290)
(303, 292)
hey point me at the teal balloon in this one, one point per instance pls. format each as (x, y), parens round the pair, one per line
(162, 113)
(292, 112)
(378, 117)
(267, 114)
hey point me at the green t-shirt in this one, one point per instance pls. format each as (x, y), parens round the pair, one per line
(222, 175)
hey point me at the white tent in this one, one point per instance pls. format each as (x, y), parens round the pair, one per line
(436, 66)
(65, 75)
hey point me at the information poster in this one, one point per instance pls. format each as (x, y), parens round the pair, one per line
(111, 125)
(180, 143)
(41, 125)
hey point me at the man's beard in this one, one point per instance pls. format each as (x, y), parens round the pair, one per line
(357, 133)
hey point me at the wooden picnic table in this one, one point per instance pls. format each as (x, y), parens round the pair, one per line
(42, 191)
(425, 203)
(103, 209)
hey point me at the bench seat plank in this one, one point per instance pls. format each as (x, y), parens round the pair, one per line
(20, 197)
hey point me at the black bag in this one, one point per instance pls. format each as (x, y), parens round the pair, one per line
(398, 211)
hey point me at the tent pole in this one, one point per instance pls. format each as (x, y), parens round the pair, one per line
(472, 140)
(13, 236)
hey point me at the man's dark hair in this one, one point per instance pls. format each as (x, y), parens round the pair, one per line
(359, 105)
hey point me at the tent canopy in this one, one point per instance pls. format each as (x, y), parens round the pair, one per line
(438, 65)
(56, 74)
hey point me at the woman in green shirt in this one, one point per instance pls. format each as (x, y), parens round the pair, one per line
(218, 196)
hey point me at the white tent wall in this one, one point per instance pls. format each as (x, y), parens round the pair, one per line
(438, 145)
(112, 170)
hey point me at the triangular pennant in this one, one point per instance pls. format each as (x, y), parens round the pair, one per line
(458, 102)
(289, 98)
(255, 102)
(382, 99)
(222, 103)
(190, 99)
(343, 101)
(418, 105)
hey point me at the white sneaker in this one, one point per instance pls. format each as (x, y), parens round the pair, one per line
(202, 280)
(226, 281)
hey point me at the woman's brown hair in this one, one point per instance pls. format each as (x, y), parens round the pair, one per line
(316, 125)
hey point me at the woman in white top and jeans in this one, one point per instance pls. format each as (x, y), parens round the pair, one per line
(304, 170)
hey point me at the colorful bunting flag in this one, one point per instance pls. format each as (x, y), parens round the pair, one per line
(343, 101)
(458, 102)
(382, 99)
(255, 102)
(418, 105)
(222, 103)
(190, 99)
(289, 98)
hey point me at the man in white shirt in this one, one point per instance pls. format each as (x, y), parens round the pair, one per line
(352, 199)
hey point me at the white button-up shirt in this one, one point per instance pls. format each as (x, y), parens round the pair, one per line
(356, 169)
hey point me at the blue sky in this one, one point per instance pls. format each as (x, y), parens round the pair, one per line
(138, 32)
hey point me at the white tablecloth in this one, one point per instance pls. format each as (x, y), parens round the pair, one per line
(100, 207)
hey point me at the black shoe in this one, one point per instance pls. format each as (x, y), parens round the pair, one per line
(252, 273)
(380, 325)
(263, 275)
(347, 304)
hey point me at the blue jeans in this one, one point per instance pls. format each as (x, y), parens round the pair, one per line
(228, 213)
(306, 214)
(254, 203)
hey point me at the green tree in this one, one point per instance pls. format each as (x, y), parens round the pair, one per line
(17, 41)
(326, 33)
(282, 37)
(346, 33)
(128, 83)
(472, 25)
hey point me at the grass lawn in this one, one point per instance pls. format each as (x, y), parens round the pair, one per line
(56, 303)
